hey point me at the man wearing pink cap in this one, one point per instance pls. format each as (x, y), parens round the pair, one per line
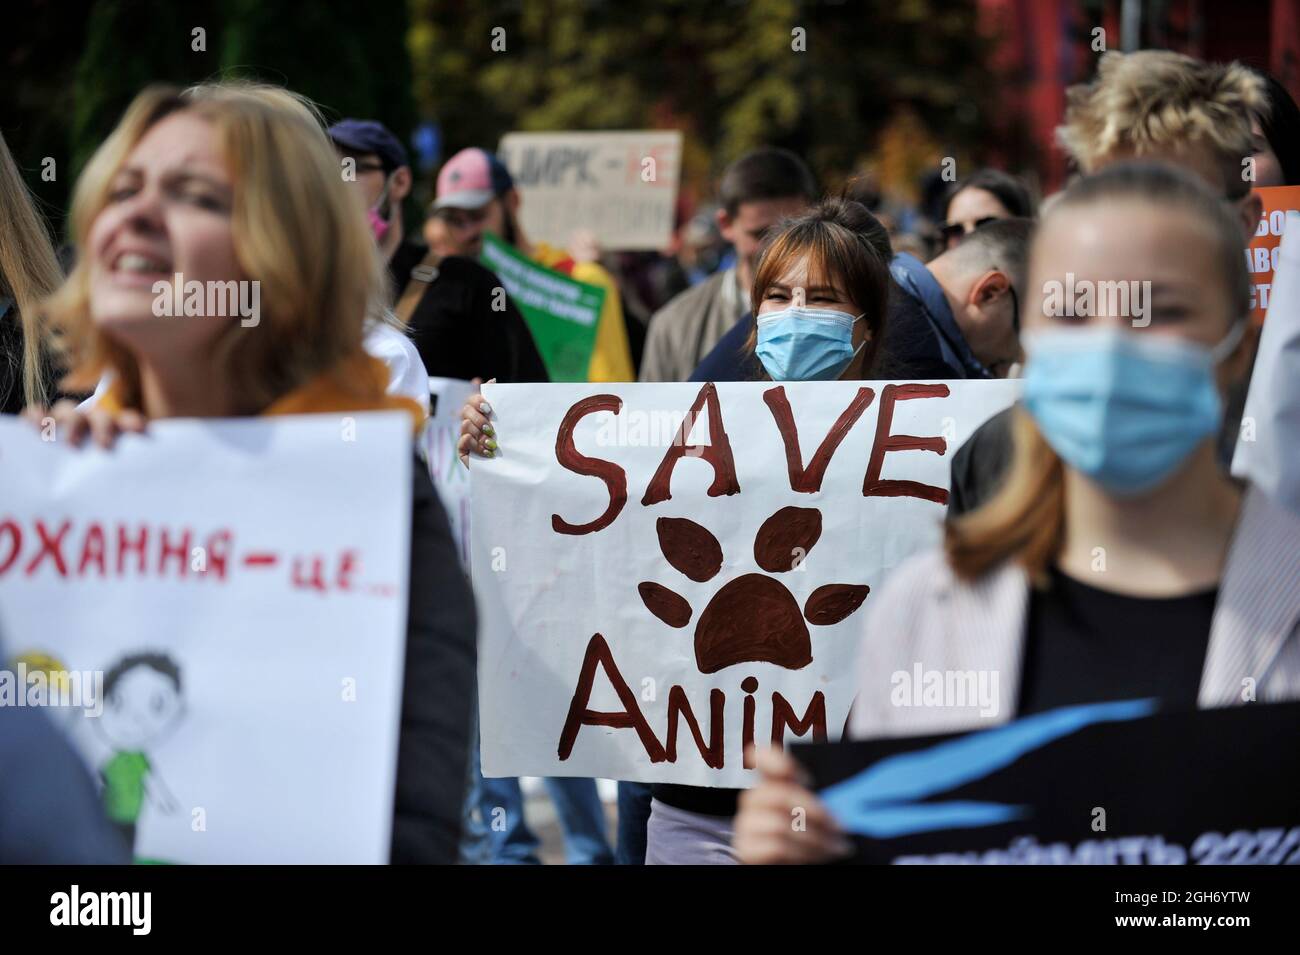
(476, 194)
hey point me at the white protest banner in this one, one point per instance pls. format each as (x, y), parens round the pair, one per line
(242, 588)
(449, 476)
(619, 186)
(650, 603)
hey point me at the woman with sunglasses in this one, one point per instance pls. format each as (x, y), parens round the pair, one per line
(986, 196)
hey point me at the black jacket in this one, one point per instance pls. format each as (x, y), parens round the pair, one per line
(438, 689)
(49, 811)
(455, 328)
(11, 359)
(980, 464)
(911, 348)
(12, 397)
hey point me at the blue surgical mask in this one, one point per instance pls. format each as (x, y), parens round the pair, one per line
(1124, 408)
(806, 344)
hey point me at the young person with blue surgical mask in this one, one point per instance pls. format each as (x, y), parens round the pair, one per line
(821, 292)
(821, 287)
(1158, 106)
(1117, 560)
(956, 316)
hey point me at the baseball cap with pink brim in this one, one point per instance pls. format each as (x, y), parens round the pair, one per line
(470, 180)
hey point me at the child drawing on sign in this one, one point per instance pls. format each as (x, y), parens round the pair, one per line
(142, 704)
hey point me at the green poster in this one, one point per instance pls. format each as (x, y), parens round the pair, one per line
(561, 312)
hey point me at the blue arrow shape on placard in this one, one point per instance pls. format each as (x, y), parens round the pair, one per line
(880, 801)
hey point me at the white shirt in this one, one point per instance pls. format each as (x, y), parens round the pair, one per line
(406, 374)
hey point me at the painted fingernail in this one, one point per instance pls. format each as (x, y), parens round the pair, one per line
(491, 445)
(487, 429)
(484, 407)
(487, 453)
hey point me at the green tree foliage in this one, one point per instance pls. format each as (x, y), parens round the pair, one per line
(729, 73)
(72, 66)
(39, 49)
(726, 72)
(348, 57)
(130, 44)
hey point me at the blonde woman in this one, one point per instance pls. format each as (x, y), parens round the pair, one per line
(238, 183)
(1160, 106)
(28, 273)
(1117, 561)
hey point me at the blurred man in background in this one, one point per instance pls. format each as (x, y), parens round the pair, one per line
(446, 302)
(1160, 106)
(758, 190)
(476, 195)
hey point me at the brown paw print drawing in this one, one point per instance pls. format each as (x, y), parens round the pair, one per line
(754, 618)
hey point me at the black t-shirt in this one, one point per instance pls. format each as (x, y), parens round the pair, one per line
(12, 394)
(456, 328)
(1085, 645)
(702, 799)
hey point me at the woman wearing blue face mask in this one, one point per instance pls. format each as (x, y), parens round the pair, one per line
(820, 294)
(821, 291)
(1117, 561)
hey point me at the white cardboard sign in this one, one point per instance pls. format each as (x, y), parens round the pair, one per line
(619, 186)
(651, 603)
(241, 588)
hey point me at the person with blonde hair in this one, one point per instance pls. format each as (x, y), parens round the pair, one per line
(29, 272)
(1117, 561)
(234, 183)
(1159, 106)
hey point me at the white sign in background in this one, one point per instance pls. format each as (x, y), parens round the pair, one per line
(722, 604)
(266, 561)
(619, 186)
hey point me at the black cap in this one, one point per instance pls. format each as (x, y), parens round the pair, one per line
(368, 136)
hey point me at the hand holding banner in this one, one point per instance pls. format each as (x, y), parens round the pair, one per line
(248, 617)
(669, 572)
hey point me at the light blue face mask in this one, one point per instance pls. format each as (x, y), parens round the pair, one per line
(806, 344)
(1124, 408)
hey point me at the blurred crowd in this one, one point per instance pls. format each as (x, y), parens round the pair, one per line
(1123, 438)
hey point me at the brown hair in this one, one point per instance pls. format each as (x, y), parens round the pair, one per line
(1025, 520)
(846, 246)
(296, 231)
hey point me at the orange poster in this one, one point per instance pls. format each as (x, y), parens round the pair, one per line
(1261, 255)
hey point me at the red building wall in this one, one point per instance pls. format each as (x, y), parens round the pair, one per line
(1043, 46)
